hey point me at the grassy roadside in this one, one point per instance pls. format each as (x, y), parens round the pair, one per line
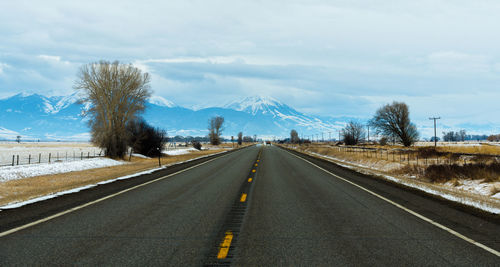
(391, 171)
(29, 188)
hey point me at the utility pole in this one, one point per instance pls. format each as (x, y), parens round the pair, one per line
(435, 136)
(368, 125)
(322, 138)
(330, 136)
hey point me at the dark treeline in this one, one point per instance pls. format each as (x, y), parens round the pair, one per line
(462, 135)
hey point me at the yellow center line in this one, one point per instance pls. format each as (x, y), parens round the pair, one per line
(243, 197)
(256, 164)
(224, 246)
(253, 170)
(249, 180)
(258, 160)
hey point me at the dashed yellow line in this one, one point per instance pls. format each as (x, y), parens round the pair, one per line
(249, 180)
(253, 170)
(258, 160)
(256, 165)
(243, 197)
(224, 246)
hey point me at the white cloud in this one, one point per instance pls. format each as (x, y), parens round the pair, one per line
(53, 59)
(2, 67)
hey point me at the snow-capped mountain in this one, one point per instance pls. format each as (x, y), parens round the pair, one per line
(258, 105)
(60, 117)
(160, 101)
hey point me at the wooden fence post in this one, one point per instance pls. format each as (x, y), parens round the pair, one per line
(13, 158)
(50, 155)
(29, 159)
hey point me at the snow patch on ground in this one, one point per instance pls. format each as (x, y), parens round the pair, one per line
(475, 186)
(24, 171)
(181, 151)
(140, 156)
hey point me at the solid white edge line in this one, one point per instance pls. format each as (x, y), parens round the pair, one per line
(13, 230)
(422, 217)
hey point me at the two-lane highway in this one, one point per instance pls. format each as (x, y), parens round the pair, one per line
(283, 210)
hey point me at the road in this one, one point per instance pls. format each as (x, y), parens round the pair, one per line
(290, 212)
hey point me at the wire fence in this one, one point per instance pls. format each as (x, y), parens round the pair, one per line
(417, 157)
(27, 158)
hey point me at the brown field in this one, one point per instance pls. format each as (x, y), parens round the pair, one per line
(28, 188)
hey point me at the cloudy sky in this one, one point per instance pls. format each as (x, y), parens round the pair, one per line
(329, 58)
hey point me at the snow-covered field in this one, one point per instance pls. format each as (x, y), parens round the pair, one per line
(59, 151)
(462, 144)
(24, 171)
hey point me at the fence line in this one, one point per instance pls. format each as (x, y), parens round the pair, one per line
(51, 158)
(412, 156)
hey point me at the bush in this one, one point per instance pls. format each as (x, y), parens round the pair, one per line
(196, 144)
(383, 141)
(444, 173)
(145, 139)
(494, 138)
(428, 152)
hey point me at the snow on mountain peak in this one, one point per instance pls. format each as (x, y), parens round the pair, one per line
(65, 101)
(160, 101)
(256, 104)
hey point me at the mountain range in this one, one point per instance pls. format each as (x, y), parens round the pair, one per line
(35, 116)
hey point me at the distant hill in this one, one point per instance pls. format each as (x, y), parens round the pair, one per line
(35, 116)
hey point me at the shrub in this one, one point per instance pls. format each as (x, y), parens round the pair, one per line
(196, 144)
(383, 141)
(444, 173)
(427, 152)
(145, 139)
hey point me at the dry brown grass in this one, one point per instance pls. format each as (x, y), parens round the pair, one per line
(483, 149)
(476, 171)
(28, 188)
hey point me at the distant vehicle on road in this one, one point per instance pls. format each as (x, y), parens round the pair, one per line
(268, 143)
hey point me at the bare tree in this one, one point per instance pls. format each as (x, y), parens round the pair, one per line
(215, 128)
(294, 137)
(494, 138)
(394, 120)
(18, 139)
(240, 138)
(353, 133)
(117, 93)
(462, 134)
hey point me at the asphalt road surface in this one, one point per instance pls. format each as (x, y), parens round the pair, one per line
(257, 206)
